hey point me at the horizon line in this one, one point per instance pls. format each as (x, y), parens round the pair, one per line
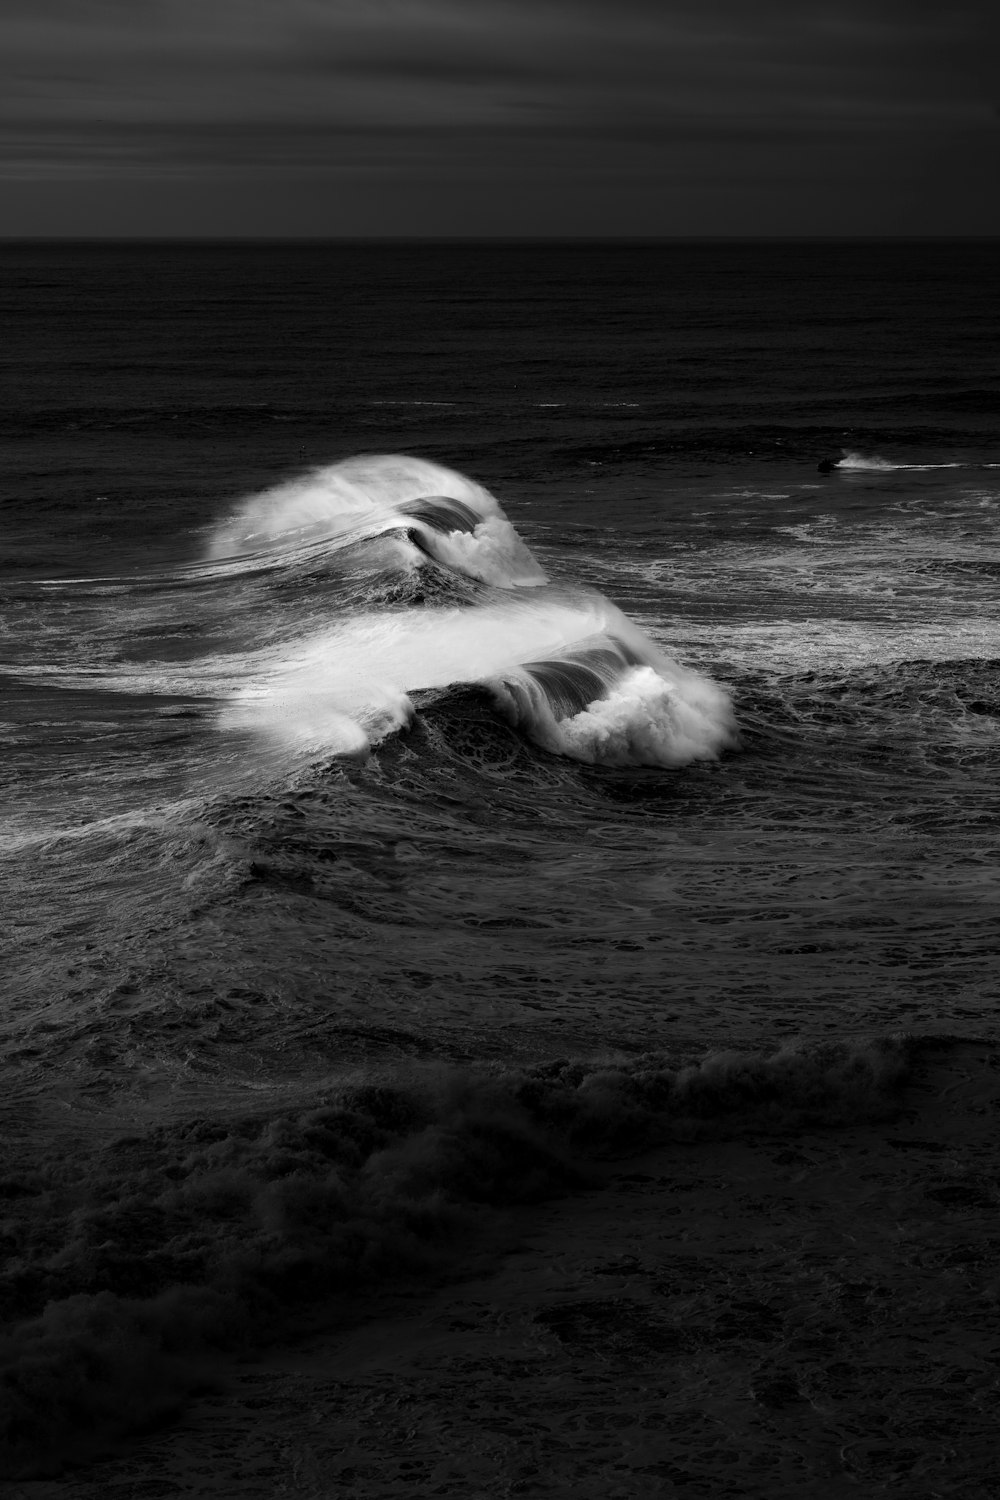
(492, 239)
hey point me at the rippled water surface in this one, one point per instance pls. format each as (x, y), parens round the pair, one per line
(188, 665)
(441, 654)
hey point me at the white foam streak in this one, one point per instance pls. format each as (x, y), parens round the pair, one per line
(859, 462)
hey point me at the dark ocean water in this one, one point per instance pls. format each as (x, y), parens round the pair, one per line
(368, 819)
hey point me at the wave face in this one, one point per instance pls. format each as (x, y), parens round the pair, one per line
(562, 663)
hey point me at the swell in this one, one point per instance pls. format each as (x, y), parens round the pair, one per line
(697, 437)
(917, 708)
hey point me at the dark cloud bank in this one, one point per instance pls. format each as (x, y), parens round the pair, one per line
(497, 117)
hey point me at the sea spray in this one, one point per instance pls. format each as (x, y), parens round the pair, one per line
(449, 516)
(355, 587)
(873, 463)
(637, 719)
(361, 671)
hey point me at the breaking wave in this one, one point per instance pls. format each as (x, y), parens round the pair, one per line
(872, 463)
(444, 516)
(603, 705)
(328, 602)
(563, 664)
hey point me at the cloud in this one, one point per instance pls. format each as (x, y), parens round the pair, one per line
(550, 89)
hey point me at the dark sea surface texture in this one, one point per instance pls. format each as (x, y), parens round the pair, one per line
(443, 701)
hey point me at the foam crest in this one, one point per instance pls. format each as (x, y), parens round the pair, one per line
(617, 705)
(865, 462)
(447, 517)
(872, 463)
(643, 721)
(493, 553)
(565, 665)
(568, 668)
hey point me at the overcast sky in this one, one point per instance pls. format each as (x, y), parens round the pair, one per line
(330, 117)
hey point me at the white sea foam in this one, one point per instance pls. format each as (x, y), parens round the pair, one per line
(566, 665)
(349, 686)
(323, 676)
(447, 515)
(872, 463)
(644, 719)
(493, 553)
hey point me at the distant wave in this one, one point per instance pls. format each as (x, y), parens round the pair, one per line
(213, 1234)
(449, 517)
(872, 463)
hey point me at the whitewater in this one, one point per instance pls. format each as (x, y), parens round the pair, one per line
(607, 695)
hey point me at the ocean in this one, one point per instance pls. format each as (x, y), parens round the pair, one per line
(467, 708)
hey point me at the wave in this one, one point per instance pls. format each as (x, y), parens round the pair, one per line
(445, 515)
(568, 669)
(604, 705)
(872, 463)
(325, 606)
(562, 663)
(211, 1235)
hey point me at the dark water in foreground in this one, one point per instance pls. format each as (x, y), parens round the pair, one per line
(331, 782)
